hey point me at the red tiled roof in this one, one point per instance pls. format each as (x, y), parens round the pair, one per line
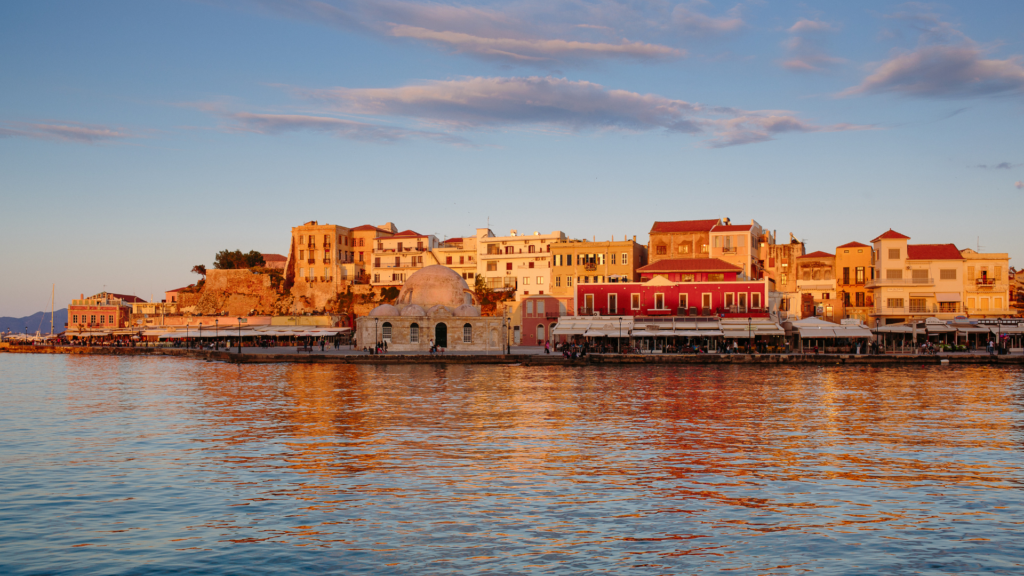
(732, 228)
(126, 298)
(890, 234)
(274, 258)
(453, 240)
(854, 245)
(367, 227)
(933, 252)
(408, 233)
(689, 265)
(684, 226)
(818, 254)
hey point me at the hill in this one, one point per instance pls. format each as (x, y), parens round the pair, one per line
(38, 321)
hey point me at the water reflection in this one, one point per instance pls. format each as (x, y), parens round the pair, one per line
(140, 462)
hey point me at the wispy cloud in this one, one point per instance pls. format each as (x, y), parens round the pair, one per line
(536, 49)
(530, 32)
(1000, 166)
(945, 64)
(486, 103)
(1019, 185)
(806, 47)
(63, 131)
(275, 124)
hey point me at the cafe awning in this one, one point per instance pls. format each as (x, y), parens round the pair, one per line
(948, 296)
(939, 329)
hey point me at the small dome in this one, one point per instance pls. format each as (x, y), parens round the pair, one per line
(413, 310)
(384, 310)
(433, 285)
(466, 310)
(439, 310)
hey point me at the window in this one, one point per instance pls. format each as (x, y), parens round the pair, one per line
(530, 265)
(895, 303)
(386, 330)
(568, 281)
(894, 274)
(531, 249)
(703, 248)
(826, 296)
(448, 260)
(302, 254)
(586, 279)
(860, 275)
(398, 261)
(74, 319)
(860, 299)
(846, 298)
(462, 259)
(730, 300)
(529, 306)
(613, 303)
(783, 278)
(493, 249)
(302, 239)
(414, 333)
(634, 301)
(894, 253)
(540, 279)
(625, 258)
(467, 333)
(716, 277)
(684, 301)
(660, 250)
(948, 307)
(558, 281)
(540, 306)
(376, 278)
(998, 273)
(705, 301)
(716, 241)
(376, 262)
(508, 266)
(684, 248)
(469, 275)
(755, 300)
(613, 259)
(492, 266)
(526, 280)
(846, 274)
(686, 277)
(970, 273)
(361, 241)
(918, 305)
(600, 259)
(947, 274)
(659, 301)
(302, 272)
(92, 319)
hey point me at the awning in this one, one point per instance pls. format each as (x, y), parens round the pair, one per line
(643, 334)
(894, 329)
(939, 328)
(948, 297)
(922, 294)
(738, 334)
(1007, 330)
(854, 333)
(972, 329)
(594, 334)
(817, 333)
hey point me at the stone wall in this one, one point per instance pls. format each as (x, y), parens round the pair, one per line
(237, 292)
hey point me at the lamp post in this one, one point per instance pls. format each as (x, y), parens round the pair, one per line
(187, 343)
(619, 343)
(239, 334)
(376, 321)
(750, 336)
(502, 329)
(200, 333)
(216, 332)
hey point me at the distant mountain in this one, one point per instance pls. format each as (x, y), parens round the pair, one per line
(38, 321)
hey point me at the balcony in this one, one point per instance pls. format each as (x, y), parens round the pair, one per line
(729, 250)
(590, 267)
(409, 265)
(877, 282)
(311, 261)
(327, 260)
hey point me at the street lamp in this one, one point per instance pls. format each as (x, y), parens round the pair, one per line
(376, 321)
(239, 334)
(619, 343)
(200, 333)
(216, 332)
(187, 343)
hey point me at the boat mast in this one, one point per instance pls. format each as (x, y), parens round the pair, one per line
(53, 288)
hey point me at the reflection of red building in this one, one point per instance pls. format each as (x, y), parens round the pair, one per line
(678, 287)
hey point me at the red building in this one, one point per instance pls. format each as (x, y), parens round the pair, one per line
(538, 317)
(678, 287)
(103, 310)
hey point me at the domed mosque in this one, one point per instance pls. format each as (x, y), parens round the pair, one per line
(435, 304)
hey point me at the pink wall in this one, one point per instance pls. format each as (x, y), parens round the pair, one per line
(693, 290)
(529, 321)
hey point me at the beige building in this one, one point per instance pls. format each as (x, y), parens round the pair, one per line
(435, 305)
(738, 245)
(816, 283)
(363, 239)
(520, 263)
(459, 254)
(319, 264)
(398, 256)
(915, 281)
(586, 262)
(680, 239)
(986, 285)
(779, 263)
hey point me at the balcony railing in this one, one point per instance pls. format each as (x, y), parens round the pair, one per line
(729, 250)
(409, 265)
(590, 266)
(985, 282)
(899, 282)
(327, 260)
(311, 261)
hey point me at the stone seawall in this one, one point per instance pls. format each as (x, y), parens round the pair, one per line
(527, 359)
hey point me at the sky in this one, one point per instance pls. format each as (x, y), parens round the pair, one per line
(138, 139)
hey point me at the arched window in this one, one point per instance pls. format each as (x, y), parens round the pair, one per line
(540, 334)
(467, 333)
(387, 330)
(414, 333)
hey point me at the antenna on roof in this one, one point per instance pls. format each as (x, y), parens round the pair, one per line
(979, 244)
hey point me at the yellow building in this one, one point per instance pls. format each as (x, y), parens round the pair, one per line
(915, 281)
(585, 262)
(738, 245)
(854, 269)
(397, 257)
(460, 255)
(986, 284)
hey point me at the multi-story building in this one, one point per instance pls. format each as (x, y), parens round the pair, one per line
(459, 254)
(915, 281)
(681, 239)
(591, 262)
(1016, 290)
(738, 245)
(316, 256)
(816, 283)
(362, 240)
(855, 267)
(987, 292)
(720, 292)
(100, 311)
(396, 257)
(516, 262)
(779, 261)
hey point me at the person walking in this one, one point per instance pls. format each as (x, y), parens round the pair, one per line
(989, 346)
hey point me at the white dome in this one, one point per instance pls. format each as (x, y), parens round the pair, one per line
(384, 310)
(435, 285)
(466, 310)
(413, 310)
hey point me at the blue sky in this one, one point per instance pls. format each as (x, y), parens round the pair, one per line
(137, 139)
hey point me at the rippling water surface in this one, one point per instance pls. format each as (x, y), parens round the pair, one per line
(146, 465)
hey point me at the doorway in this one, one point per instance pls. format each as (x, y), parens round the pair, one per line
(441, 335)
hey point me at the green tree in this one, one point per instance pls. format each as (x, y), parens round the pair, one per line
(389, 294)
(199, 269)
(233, 259)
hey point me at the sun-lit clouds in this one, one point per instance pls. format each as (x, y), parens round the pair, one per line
(1019, 185)
(536, 49)
(691, 20)
(522, 102)
(63, 131)
(805, 48)
(275, 124)
(945, 64)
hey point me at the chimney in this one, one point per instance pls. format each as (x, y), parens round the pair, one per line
(81, 296)
(634, 237)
